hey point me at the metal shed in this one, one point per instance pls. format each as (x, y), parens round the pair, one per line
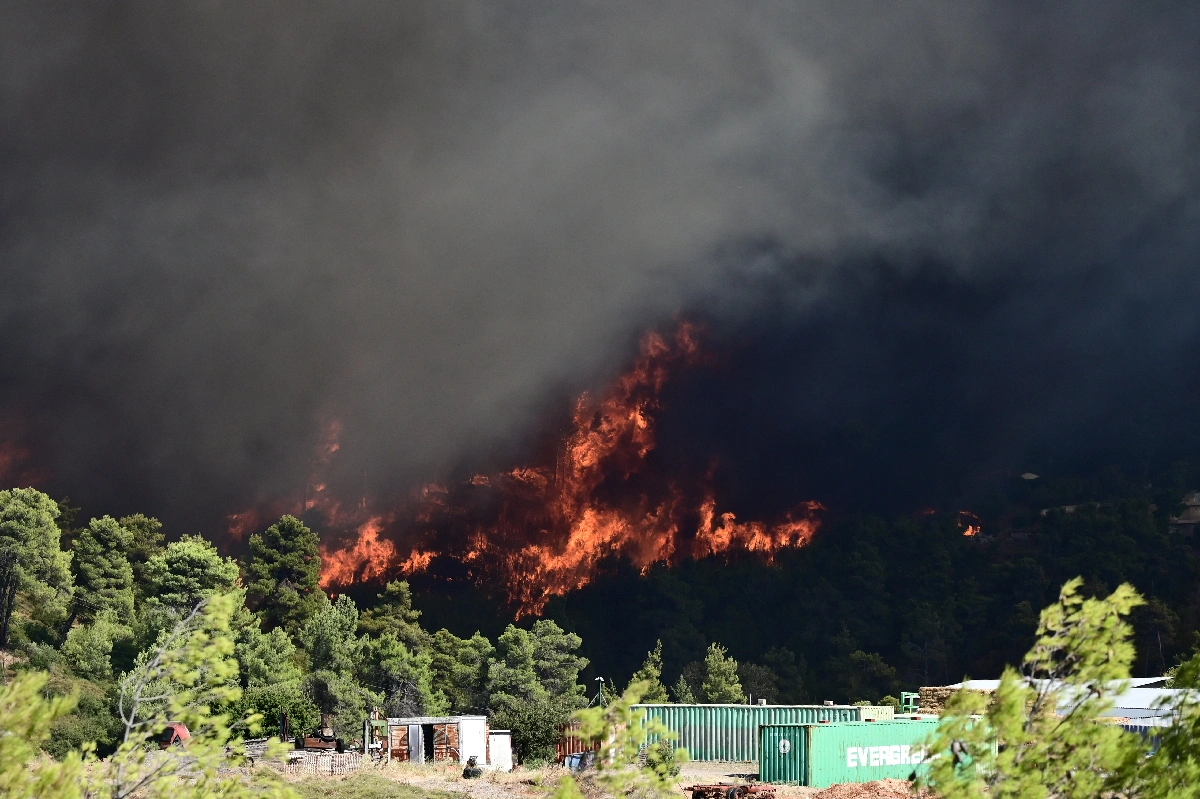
(421, 739)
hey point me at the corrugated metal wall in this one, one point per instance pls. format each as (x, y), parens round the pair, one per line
(730, 732)
(569, 742)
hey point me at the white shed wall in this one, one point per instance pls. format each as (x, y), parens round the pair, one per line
(500, 746)
(472, 732)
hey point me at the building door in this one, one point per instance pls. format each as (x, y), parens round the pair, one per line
(416, 748)
(427, 740)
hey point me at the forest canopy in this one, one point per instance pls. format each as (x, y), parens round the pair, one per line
(870, 608)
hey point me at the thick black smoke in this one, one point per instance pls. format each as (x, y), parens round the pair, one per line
(939, 239)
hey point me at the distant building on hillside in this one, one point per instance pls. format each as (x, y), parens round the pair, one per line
(1187, 521)
(1141, 698)
(1069, 509)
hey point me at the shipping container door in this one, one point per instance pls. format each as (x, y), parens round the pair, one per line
(783, 754)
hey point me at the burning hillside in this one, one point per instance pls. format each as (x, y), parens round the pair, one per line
(544, 529)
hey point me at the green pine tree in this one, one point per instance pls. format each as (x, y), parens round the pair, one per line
(394, 613)
(329, 636)
(187, 571)
(29, 529)
(556, 662)
(88, 648)
(684, 694)
(512, 672)
(1039, 736)
(721, 682)
(283, 576)
(103, 576)
(146, 540)
(264, 658)
(460, 669)
(404, 677)
(533, 685)
(650, 675)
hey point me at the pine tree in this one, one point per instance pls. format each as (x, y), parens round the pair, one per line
(537, 663)
(556, 661)
(650, 675)
(393, 613)
(28, 528)
(263, 658)
(329, 636)
(146, 540)
(533, 684)
(187, 571)
(512, 672)
(721, 683)
(103, 576)
(460, 669)
(283, 576)
(684, 694)
(404, 677)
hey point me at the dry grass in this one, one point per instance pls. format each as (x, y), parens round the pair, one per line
(402, 780)
(364, 785)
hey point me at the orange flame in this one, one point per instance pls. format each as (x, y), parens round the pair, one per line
(555, 526)
(546, 529)
(369, 558)
(239, 524)
(16, 467)
(12, 457)
(970, 523)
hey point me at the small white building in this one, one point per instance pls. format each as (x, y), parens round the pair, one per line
(500, 752)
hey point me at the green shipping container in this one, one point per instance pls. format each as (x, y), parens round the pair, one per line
(820, 755)
(730, 732)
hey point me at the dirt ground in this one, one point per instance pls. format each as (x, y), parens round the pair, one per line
(448, 777)
(534, 784)
(709, 772)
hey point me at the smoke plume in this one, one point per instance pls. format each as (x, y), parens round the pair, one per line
(933, 240)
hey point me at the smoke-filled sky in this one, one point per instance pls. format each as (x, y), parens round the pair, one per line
(931, 240)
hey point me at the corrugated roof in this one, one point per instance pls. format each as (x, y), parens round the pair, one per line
(1138, 701)
(433, 719)
(992, 685)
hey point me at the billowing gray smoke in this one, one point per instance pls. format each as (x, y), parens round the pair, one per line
(224, 223)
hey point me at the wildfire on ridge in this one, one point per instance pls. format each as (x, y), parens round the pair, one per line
(16, 467)
(545, 529)
(11, 458)
(370, 557)
(970, 523)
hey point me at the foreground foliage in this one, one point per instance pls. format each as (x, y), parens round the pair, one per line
(1042, 736)
(627, 764)
(189, 678)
